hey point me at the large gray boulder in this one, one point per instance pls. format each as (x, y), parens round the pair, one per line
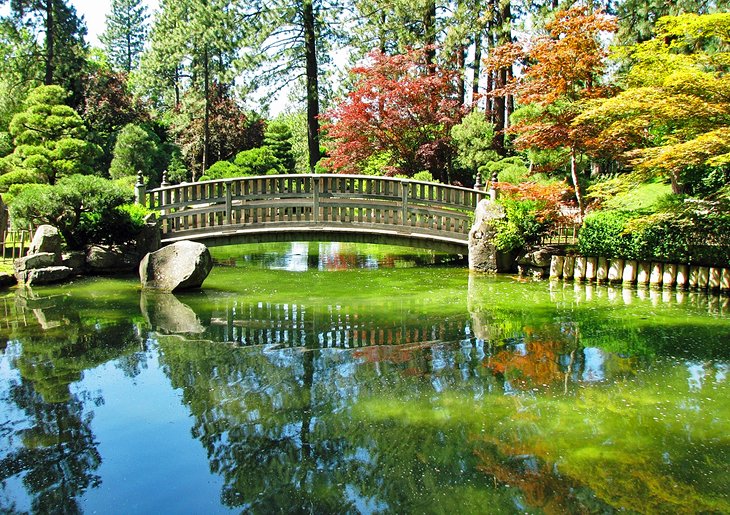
(46, 239)
(181, 265)
(46, 275)
(34, 261)
(483, 254)
(109, 259)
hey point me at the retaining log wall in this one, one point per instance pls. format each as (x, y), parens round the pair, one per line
(642, 273)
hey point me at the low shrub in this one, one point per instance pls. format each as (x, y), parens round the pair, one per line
(684, 235)
(85, 209)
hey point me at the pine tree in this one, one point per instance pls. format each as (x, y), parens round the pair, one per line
(125, 33)
(61, 51)
(278, 138)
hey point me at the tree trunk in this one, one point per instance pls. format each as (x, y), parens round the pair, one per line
(310, 52)
(576, 182)
(477, 68)
(206, 119)
(429, 31)
(503, 35)
(461, 66)
(50, 36)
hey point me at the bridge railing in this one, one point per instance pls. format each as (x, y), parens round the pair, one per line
(312, 199)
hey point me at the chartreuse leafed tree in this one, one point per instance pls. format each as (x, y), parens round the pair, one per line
(49, 140)
(673, 119)
(125, 33)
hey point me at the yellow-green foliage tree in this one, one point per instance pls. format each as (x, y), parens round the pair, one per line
(673, 118)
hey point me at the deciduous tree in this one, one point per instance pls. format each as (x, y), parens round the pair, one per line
(560, 69)
(674, 116)
(401, 107)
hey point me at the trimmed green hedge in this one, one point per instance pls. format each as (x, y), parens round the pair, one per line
(698, 236)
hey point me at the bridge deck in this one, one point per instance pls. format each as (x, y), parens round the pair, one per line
(309, 207)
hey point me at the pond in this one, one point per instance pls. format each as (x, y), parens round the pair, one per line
(334, 378)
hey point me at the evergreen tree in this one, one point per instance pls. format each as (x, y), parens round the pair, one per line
(278, 138)
(193, 46)
(125, 33)
(61, 52)
(49, 140)
(135, 151)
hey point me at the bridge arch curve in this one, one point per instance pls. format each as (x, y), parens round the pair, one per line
(316, 207)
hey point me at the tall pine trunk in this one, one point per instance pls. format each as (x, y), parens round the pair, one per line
(206, 118)
(429, 31)
(310, 52)
(50, 37)
(477, 69)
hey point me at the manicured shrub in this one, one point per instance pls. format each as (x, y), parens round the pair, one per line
(603, 234)
(684, 235)
(85, 209)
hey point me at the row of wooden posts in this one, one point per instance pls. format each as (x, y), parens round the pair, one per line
(642, 273)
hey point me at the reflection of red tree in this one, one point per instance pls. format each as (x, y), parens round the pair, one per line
(339, 261)
(537, 366)
(512, 463)
(394, 354)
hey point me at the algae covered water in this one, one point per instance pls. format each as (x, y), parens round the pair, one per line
(332, 378)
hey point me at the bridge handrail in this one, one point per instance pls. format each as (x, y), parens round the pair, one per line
(250, 201)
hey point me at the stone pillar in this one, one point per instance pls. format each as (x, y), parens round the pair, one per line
(482, 250)
(568, 268)
(682, 276)
(714, 279)
(669, 275)
(643, 273)
(629, 275)
(579, 268)
(591, 265)
(703, 278)
(556, 267)
(694, 276)
(725, 280)
(140, 190)
(602, 270)
(615, 270)
(655, 278)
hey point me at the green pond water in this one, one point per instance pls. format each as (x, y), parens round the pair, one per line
(333, 378)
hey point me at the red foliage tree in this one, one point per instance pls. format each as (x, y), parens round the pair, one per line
(402, 110)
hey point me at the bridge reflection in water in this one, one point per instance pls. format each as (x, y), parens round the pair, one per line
(297, 325)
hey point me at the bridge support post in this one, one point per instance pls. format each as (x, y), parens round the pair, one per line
(404, 193)
(140, 190)
(229, 204)
(315, 198)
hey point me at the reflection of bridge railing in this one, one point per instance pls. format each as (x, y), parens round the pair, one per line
(320, 203)
(329, 326)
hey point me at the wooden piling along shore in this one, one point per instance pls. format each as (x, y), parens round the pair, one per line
(642, 273)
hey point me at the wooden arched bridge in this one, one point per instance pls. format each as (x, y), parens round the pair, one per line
(316, 207)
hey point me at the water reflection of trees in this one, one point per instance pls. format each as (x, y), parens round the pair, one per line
(48, 444)
(438, 424)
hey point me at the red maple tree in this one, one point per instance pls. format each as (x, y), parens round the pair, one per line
(401, 110)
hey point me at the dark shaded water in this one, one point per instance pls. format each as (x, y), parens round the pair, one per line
(339, 378)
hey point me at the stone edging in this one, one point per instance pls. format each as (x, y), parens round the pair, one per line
(642, 273)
